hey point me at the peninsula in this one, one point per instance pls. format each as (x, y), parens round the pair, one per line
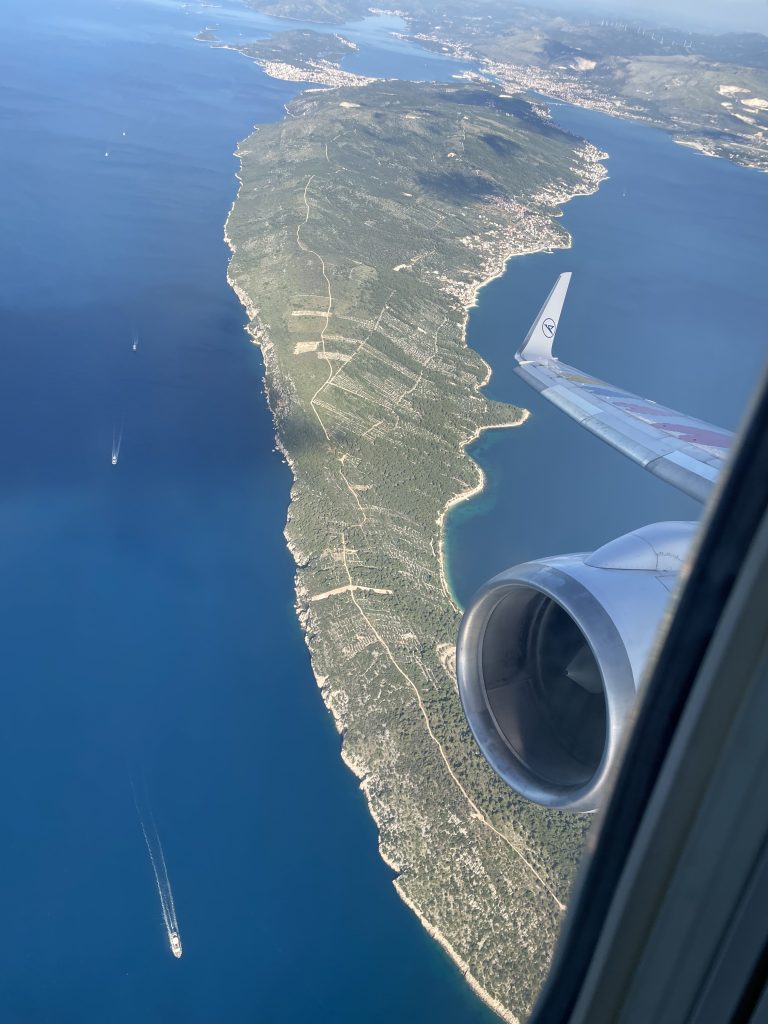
(708, 91)
(365, 222)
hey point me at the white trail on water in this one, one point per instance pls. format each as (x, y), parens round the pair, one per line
(162, 880)
(117, 440)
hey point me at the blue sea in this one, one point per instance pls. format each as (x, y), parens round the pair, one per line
(149, 634)
(149, 639)
(667, 300)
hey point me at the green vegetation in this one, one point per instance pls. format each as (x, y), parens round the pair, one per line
(300, 48)
(364, 223)
(331, 12)
(693, 86)
(709, 91)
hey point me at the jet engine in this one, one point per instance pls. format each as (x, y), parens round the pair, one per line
(549, 657)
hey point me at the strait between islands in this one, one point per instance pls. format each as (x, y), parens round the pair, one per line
(365, 223)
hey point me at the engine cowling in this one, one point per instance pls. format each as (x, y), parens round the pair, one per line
(549, 657)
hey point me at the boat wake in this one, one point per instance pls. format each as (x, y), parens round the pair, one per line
(160, 869)
(117, 440)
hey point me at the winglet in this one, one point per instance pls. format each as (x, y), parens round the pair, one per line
(537, 346)
(685, 452)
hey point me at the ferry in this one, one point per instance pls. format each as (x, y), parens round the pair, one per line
(175, 944)
(117, 440)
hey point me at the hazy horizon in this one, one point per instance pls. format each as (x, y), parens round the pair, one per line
(701, 15)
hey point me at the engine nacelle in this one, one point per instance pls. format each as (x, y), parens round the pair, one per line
(549, 657)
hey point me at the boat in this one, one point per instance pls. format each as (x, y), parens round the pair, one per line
(117, 440)
(175, 944)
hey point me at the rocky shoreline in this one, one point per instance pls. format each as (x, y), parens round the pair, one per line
(470, 861)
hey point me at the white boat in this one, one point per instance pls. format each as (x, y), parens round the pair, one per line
(117, 440)
(175, 944)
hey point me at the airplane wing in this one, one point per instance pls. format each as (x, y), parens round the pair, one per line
(684, 451)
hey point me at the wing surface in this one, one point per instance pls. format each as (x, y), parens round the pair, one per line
(684, 451)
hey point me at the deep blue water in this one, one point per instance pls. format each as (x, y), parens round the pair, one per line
(667, 300)
(147, 609)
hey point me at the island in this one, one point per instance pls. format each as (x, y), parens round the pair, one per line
(298, 55)
(709, 91)
(365, 223)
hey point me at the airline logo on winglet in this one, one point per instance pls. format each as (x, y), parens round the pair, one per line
(685, 452)
(537, 346)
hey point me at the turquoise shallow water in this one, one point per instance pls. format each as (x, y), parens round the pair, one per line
(667, 300)
(147, 608)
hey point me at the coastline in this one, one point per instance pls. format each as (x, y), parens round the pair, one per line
(259, 336)
(494, 1004)
(471, 492)
(313, 73)
(547, 212)
(463, 496)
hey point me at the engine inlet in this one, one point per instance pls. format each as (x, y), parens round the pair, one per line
(548, 658)
(543, 688)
